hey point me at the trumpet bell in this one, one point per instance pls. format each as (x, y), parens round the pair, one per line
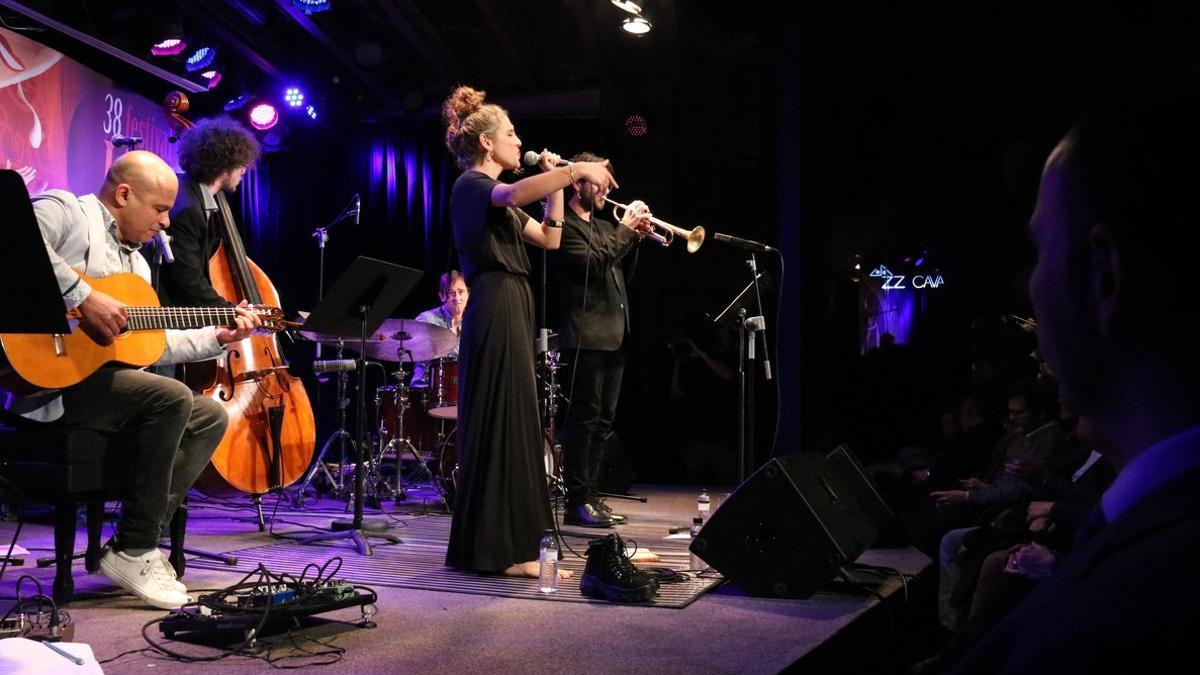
(695, 239)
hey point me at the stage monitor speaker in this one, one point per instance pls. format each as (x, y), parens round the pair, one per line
(787, 529)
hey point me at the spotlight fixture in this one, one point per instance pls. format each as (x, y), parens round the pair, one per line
(169, 39)
(171, 46)
(263, 116)
(237, 103)
(212, 76)
(200, 59)
(273, 140)
(311, 111)
(636, 25)
(293, 97)
(631, 6)
(635, 125)
(313, 6)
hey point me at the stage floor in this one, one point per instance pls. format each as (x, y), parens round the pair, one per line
(722, 631)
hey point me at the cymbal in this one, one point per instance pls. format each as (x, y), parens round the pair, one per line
(425, 341)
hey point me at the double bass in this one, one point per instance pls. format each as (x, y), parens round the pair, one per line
(271, 437)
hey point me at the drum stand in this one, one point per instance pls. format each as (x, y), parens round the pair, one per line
(554, 472)
(340, 436)
(399, 444)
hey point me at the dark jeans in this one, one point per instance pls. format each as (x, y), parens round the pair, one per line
(174, 434)
(589, 420)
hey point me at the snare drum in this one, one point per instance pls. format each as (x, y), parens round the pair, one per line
(443, 389)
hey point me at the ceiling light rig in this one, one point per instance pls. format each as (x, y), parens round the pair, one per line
(170, 46)
(313, 6)
(200, 59)
(636, 23)
(212, 76)
(636, 26)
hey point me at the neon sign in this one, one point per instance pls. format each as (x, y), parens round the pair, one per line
(896, 281)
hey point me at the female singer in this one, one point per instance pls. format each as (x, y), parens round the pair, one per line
(503, 506)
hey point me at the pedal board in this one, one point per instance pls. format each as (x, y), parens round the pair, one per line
(280, 605)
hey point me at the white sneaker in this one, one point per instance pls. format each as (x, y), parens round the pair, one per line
(167, 574)
(143, 576)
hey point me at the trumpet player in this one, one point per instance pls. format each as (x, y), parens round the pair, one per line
(595, 263)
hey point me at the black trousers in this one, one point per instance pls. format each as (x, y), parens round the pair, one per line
(175, 435)
(589, 423)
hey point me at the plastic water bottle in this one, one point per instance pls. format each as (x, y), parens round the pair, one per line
(548, 563)
(702, 503)
(697, 523)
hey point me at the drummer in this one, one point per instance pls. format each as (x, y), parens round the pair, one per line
(452, 289)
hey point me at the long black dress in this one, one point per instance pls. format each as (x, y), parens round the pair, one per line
(502, 506)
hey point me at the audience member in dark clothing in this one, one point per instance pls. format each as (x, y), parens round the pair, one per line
(1001, 578)
(1035, 440)
(1116, 194)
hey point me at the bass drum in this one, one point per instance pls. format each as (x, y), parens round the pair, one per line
(449, 474)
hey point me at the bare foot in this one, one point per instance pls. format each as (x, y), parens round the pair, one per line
(532, 569)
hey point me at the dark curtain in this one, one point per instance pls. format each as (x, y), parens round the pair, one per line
(403, 175)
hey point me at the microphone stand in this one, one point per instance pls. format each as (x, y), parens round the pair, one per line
(748, 327)
(321, 235)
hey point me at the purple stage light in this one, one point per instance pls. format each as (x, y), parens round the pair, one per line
(312, 112)
(213, 76)
(168, 47)
(263, 116)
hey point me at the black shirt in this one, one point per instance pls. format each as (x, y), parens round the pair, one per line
(488, 237)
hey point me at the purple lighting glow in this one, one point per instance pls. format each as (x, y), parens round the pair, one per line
(263, 116)
(213, 76)
(168, 47)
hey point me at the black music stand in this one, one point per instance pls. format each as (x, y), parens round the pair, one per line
(38, 307)
(359, 301)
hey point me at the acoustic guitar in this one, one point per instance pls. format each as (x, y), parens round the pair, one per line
(57, 361)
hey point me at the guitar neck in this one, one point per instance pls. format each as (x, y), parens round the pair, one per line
(159, 318)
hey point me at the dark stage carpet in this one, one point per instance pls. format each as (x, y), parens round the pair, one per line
(417, 563)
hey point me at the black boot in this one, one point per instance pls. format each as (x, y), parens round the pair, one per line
(610, 575)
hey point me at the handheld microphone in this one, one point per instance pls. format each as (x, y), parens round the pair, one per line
(532, 158)
(357, 207)
(744, 243)
(333, 365)
(126, 141)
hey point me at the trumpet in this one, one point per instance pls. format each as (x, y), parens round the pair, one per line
(694, 237)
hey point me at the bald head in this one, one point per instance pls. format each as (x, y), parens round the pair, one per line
(139, 190)
(140, 169)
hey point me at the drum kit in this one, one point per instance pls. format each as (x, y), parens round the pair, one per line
(412, 421)
(416, 421)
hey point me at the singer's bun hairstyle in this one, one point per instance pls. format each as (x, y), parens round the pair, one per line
(467, 117)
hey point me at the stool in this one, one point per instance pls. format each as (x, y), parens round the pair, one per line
(66, 468)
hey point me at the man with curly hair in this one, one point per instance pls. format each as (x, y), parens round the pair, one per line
(214, 155)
